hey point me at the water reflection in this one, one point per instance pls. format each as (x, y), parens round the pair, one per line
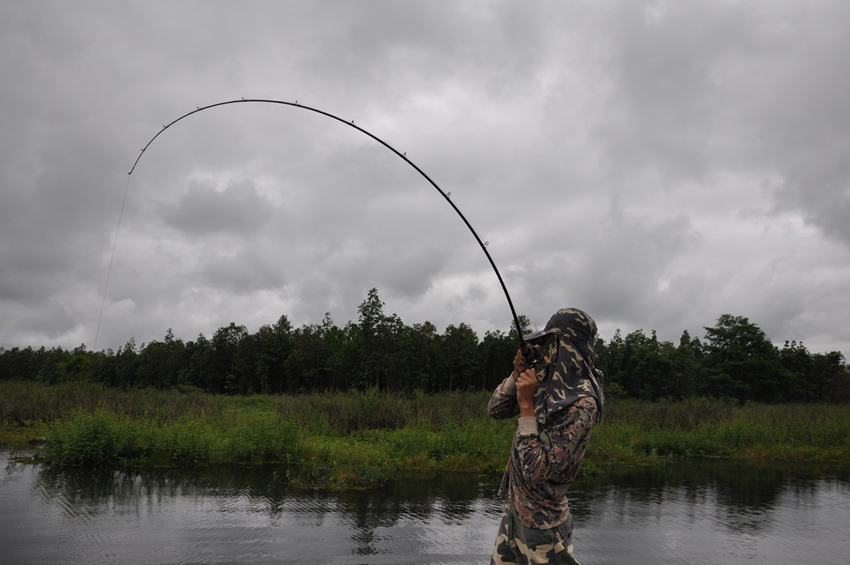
(715, 511)
(744, 494)
(707, 512)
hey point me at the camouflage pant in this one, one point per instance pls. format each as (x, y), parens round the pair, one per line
(522, 545)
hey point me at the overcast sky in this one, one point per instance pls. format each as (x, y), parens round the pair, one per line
(657, 164)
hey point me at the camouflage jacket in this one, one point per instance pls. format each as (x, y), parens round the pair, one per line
(544, 459)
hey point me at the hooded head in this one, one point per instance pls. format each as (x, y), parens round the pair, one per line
(572, 322)
(567, 343)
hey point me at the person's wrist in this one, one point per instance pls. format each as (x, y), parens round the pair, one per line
(526, 404)
(510, 386)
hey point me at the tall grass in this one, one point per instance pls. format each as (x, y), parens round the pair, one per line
(35, 402)
(339, 413)
(706, 427)
(104, 438)
(87, 424)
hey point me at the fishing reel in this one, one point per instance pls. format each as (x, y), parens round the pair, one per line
(532, 355)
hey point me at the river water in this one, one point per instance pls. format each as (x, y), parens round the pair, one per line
(699, 513)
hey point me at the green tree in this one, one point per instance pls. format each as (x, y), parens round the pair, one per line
(333, 354)
(625, 351)
(18, 364)
(496, 353)
(685, 370)
(740, 362)
(196, 375)
(302, 365)
(459, 356)
(244, 366)
(160, 362)
(367, 339)
(800, 368)
(127, 365)
(648, 371)
(525, 327)
(379, 344)
(222, 371)
(612, 361)
(422, 357)
(273, 347)
(832, 377)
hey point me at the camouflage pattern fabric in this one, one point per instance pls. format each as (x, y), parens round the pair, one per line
(567, 342)
(547, 449)
(542, 465)
(518, 544)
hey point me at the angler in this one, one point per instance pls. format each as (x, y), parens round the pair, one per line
(558, 396)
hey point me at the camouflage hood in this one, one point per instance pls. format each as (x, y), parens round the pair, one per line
(567, 341)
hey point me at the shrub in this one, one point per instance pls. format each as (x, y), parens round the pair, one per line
(264, 441)
(88, 439)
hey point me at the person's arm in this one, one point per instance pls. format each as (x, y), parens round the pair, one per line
(556, 453)
(526, 386)
(504, 402)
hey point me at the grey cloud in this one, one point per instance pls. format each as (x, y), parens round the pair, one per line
(244, 273)
(732, 86)
(535, 117)
(626, 267)
(821, 190)
(202, 209)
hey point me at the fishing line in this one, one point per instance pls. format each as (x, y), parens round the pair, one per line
(350, 123)
(111, 259)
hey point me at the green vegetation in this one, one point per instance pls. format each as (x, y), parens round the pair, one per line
(345, 406)
(734, 360)
(704, 427)
(358, 438)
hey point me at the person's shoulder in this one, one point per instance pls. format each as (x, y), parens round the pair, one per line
(568, 415)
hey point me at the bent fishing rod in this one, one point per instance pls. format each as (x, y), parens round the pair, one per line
(531, 354)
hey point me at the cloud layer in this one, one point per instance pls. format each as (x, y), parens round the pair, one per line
(658, 164)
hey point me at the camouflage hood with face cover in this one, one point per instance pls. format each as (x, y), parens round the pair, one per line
(567, 341)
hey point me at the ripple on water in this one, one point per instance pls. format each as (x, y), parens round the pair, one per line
(247, 516)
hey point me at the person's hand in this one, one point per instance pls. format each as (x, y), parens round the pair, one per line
(526, 386)
(520, 364)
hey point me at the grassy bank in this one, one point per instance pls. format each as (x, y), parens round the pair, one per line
(345, 439)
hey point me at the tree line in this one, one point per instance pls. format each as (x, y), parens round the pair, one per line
(735, 360)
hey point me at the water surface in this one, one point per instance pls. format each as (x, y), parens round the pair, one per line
(711, 512)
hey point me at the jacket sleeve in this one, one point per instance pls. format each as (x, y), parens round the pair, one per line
(555, 453)
(503, 403)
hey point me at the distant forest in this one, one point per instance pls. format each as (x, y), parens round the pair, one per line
(735, 360)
